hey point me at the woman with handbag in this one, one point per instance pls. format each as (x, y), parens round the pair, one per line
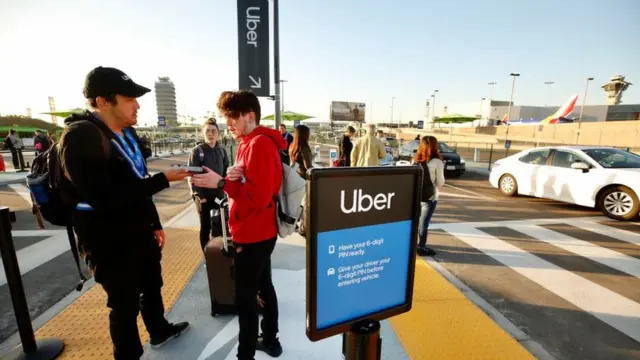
(300, 154)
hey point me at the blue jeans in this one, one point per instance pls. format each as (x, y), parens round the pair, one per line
(425, 218)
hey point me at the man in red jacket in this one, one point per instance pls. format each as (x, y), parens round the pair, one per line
(251, 185)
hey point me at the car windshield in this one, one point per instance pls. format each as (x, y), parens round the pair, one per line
(614, 158)
(444, 148)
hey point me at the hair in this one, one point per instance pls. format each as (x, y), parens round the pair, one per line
(371, 128)
(351, 129)
(283, 125)
(210, 121)
(93, 102)
(424, 150)
(234, 104)
(433, 147)
(300, 140)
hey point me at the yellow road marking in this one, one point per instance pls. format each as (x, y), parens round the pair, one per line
(84, 325)
(444, 324)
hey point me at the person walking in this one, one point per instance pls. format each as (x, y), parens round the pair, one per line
(346, 146)
(116, 222)
(430, 159)
(368, 150)
(213, 156)
(15, 145)
(251, 185)
(300, 154)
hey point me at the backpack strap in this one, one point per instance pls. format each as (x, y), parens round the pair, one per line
(76, 256)
(201, 153)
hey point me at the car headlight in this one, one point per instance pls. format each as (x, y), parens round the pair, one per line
(461, 160)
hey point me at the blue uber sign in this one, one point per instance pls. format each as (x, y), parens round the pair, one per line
(420, 124)
(296, 123)
(162, 121)
(360, 252)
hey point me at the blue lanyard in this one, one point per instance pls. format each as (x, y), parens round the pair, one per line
(134, 155)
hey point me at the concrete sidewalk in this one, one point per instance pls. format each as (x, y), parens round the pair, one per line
(443, 323)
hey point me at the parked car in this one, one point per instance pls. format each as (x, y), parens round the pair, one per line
(454, 163)
(604, 178)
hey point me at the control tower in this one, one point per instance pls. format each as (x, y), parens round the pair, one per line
(614, 89)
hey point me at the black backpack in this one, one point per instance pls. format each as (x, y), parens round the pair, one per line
(427, 184)
(44, 182)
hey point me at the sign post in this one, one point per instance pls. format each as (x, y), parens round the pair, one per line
(253, 46)
(361, 252)
(333, 156)
(420, 124)
(162, 123)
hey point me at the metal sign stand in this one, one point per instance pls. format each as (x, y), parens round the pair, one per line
(32, 349)
(363, 341)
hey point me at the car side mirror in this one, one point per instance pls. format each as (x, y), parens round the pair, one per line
(579, 165)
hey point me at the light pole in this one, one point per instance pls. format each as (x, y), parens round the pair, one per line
(513, 85)
(584, 100)
(282, 93)
(548, 83)
(433, 116)
(276, 61)
(481, 103)
(393, 98)
(491, 84)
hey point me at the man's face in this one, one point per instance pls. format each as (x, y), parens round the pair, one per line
(349, 133)
(125, 110)
(242, 125)
(283, 129)
(210, 133)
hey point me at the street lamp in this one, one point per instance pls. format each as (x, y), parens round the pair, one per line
(548, 83)
(584, 100)
(513, 85)
(481, 103)
(491, 84)
(282, 93)
(393, 98)
(433, 116)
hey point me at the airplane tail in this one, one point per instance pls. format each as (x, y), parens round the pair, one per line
(562, 112)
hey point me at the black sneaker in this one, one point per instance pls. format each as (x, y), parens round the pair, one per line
(425, 251)
(271, 348)
(175, 330)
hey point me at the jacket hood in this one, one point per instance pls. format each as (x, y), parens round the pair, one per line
(85, 115)
(274, 135)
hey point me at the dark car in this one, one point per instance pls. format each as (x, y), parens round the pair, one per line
(454, 164)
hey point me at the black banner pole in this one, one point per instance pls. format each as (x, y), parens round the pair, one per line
(363, 341)
(44, 349)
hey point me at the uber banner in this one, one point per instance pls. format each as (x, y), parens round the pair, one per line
(361, 245)
(253, 46)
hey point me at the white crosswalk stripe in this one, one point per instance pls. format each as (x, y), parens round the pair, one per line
(605, 304)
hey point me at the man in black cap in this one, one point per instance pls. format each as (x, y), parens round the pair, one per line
(117, 225)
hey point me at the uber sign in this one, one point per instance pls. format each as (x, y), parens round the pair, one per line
(362, 226)
(253, 46)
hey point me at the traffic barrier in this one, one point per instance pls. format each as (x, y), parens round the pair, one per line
(42, 349)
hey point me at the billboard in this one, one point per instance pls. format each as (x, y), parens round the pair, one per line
(253, 46)
(347, 111)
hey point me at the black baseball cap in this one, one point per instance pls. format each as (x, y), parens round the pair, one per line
(104, 81)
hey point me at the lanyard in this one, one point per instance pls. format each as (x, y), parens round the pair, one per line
(133, 155)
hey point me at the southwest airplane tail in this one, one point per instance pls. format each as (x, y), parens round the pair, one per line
(559, 117)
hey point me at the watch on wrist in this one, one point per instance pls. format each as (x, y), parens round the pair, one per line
(221, 184)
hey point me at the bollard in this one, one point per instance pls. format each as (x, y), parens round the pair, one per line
(363, 341)
(490, 156)
(476, 155)
(43, 349)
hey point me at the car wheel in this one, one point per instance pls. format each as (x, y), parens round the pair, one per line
(508, 185)
(619, 203)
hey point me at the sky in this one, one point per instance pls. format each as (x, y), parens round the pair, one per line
(345, 50)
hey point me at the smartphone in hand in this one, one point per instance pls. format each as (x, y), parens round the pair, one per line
(195, 169)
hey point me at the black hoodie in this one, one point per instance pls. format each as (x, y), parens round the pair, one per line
(122, 212)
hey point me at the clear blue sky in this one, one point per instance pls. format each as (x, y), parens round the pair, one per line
(351, 50)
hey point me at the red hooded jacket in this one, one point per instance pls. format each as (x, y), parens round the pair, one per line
(252, 210)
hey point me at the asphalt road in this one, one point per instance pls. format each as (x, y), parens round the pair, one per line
(564, 275)
(47, 265)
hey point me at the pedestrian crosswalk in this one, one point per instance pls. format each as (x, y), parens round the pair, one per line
(621, 254)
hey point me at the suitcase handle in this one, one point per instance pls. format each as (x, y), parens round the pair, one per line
(222, 203)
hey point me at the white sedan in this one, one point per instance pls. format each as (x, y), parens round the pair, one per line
(599, 177)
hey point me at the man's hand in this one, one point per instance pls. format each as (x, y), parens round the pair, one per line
(235, 173)
(176, 174)
(160, 238)
(208, 180)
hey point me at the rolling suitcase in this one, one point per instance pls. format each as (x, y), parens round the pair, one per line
(218, 256)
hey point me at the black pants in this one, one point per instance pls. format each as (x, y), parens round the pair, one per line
(253, 273)
(133, 284)
(208, 226)
(18, 159)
